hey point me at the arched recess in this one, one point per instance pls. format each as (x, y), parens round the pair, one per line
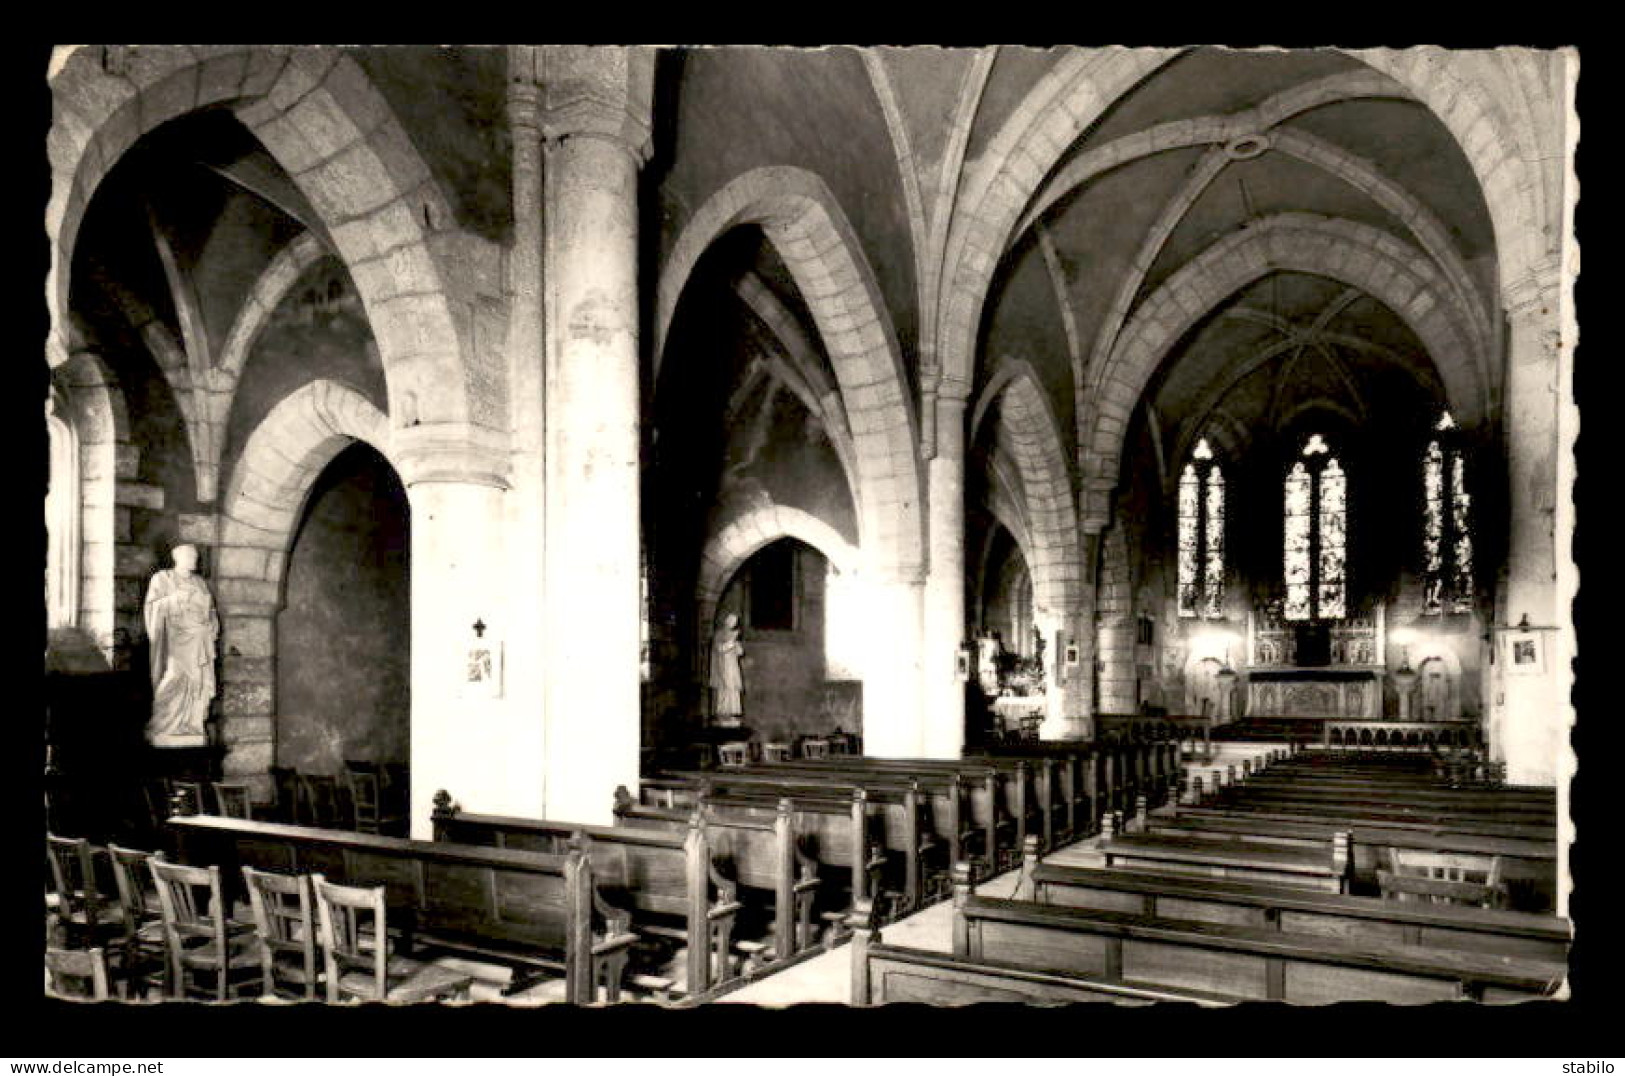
(812, 236)
(1028, 427)
(62, 513)
(267, 491)
(1439, 700)
(1355, 254)
(93, 406)
(734, 544)
(329, 128)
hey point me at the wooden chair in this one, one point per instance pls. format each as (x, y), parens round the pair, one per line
(775, 752)
(232, 800)
(199, 936)
(1442, 878)
(84, 916)
(397, 788)
(185, 797)
(817, 747)
(285, 930)
(319, 800)
(77, 974)
(734, 755)
(144, 954)
(355, 951)
(372, 813)
(285, 793)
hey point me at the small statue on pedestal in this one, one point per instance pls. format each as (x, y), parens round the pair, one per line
(727, 677)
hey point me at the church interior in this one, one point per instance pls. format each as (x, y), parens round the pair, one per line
(619, 524)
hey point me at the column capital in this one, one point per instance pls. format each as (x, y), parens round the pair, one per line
(598, 91)
(451, 452)
(1534, 296)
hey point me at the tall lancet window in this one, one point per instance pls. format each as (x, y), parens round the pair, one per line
(1315, 545)
(1447, 539)
(1201, 535)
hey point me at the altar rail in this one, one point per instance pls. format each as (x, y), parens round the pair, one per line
(1421, 736)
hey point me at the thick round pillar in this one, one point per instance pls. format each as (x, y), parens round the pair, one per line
(892, 726)
(466, 739)
(1531, 714)
(524, 503)
(592, 520)
(944, 717)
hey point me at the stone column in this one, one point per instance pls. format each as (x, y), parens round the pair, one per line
(1530, 714)
(1068, 716)
(596, 125)
(247, 647)
(525, 502)
(462, 733)
(892, 702)
(944, 717)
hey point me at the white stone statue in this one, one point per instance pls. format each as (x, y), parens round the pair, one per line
(727, 678)
(182, 627)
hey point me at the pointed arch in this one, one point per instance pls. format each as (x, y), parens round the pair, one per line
(1029, 427)
(1394, 273)
(811, 234)
(317, 113)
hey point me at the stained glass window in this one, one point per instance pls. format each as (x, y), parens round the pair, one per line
(1201, 535)
(1213, 581)
(1190, 538)
(1315, 542)
(1447, 541)
(1299, 507)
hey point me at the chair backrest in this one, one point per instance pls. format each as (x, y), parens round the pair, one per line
(775, 752)
(1442, 877)
(365, 799)
(232, 800)
(130, 873)
(187, 795)
(285, 787)
(320, 798)
(78, 973)
(284, 923)
(734, 754)
(192, 905)
(73, 873)
(817, 747)
(346, 914)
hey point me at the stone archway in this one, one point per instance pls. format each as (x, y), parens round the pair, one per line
(808, 229)
(329, 128)
(267, 491)
(731, 547)
(1355, 254)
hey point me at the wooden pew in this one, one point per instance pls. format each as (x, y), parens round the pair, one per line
(657, 873)
(885, 974)
(1323, 867)
(997, 795)
(1532, 862)
(1465, 803)
(1263, 963)
(1296, 911)
(912, 814)
(530, 907)
(756, 854)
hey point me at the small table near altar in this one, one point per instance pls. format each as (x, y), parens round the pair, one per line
(1324, 691)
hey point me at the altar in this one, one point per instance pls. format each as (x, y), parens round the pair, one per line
(1333, 669)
